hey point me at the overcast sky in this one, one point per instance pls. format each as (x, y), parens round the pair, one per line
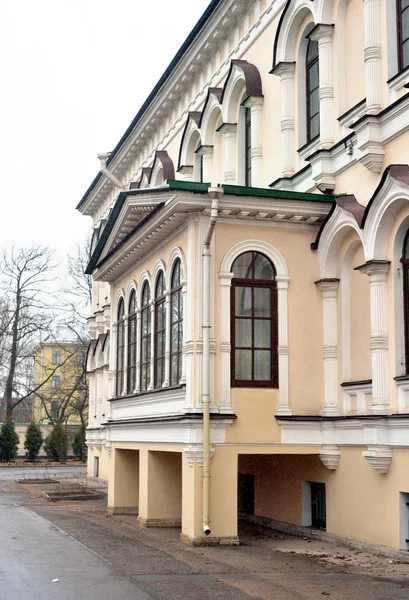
(73, 75)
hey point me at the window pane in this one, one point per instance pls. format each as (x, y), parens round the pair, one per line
(405, 54)
(175, 307)
(262, 334)
(262, 302)
(312, 49)
(242, 266)
(262, 365)
(243, 333)
(405, 24)
(314, 76)
(176, 274)
(314, 127)
(263, 269)
(174, 369)
(243, 301)
(314, 103)
(175, 336)
(243, 365)
(406, 245)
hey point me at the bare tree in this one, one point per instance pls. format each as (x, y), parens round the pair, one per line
(25, 274)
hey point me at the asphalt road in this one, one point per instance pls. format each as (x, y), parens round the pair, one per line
(13, 473)
(33, 552)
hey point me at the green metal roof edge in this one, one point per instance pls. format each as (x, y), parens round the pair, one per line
(106, 232)
(241, 190)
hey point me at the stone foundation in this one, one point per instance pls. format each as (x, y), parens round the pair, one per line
(209, 541)
(144, 522)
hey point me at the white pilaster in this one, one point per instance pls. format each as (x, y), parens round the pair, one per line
(185, 332)
(151, 385)
(166, 382)
(372, 56)
(138, 352)
(187, 172)
(112, 361)
(323, 35)
(283, 407)
(378, 290)
(207, 166)
(285, 70)
(225, 345)
(256, 114)
(329, 291)
(125, 359)
(229, 131)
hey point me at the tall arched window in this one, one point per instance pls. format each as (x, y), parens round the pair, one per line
(120, 348)
(405, 271)
(402, 14)
(132, 343)
(254, 361)
(160, 331)
(176, 324)
(312, 89)
(247, 137)
(145, 337)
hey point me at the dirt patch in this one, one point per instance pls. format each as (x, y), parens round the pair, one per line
(38, 481)
(78, 495)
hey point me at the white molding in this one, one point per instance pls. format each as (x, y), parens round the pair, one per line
(147, 405)
(329, 456)
(359, 392)
(379, 457)
(402, 396)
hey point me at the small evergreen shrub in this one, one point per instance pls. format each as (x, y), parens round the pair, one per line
(78, 446)
(8, 441)
(33, 442)
(56, 443)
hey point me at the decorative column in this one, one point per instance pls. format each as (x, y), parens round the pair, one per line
(206, 152)
(151, 385)
(168, 334)
(378, 293)
(185, 332)
(225, 345)
(372, 56)
(329, 291)
(283, 407)
(112, 362)
(125, 364)
(229, 131)
(285, 70)
(256, 114)
(138, 352)
(323, 35)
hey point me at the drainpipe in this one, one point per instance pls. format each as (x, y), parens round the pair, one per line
(214, 194)
(103, 164)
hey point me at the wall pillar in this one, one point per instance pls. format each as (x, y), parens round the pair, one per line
(229, 131)
(138, 352)
(123, 484)
(372, 56)
(378, 290)
(206, 152)
(161, 489)
(285, 70)
(185, 333)
(329, 291)
(187, 172)
(151, 384)
(125, 361)
(256, 114)
(282, 306)
(225, 344)
(166, 383)
(323, 35)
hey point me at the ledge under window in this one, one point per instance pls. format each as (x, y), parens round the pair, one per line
(398, 81)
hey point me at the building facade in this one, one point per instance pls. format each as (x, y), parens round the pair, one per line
(59, 380)
(250, 318)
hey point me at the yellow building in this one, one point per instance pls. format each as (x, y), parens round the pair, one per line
(250, 316)
(60, 383)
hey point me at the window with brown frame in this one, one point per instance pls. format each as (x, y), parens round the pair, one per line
(247, 137)
(405, 272)
(132, 343)
(254, 323)
(176, 324)
(312, 86)
(402, 22)
(120, 348)
(145, 338)
(160, 331)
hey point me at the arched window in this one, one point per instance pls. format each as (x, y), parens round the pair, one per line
(160, 331)
(254, 361)
(405, 270)
(402, 14)
(132, 343)
(176, 324)
(247, 142)
(145, 337)
(312, 89)
(120, 348)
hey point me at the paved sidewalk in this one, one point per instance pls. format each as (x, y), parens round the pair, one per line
(259, 568)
